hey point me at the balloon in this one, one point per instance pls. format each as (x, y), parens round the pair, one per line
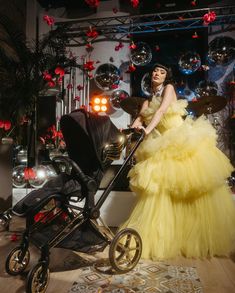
(206, 88)
(141, 55)
(116, 97)
(189, 62)
(40, 178)
(221, 51)
(146, 84)
(107, 76)
(18, 178)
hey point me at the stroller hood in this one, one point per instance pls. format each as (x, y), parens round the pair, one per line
(85, 135)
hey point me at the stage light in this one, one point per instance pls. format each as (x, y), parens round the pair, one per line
(99, 104)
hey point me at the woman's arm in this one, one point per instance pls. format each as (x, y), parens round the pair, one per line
(169, 96)
(138, 121)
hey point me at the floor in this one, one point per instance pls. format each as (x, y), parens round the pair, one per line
(217, 275)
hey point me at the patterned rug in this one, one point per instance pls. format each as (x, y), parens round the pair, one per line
(147, 277)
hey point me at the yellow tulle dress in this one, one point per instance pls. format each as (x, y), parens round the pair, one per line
(184, 206)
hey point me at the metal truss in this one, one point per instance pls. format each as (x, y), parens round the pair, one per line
(119, 27)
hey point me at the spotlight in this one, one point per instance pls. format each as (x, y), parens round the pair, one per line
(99, 104)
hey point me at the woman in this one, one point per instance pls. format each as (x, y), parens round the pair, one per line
(184, 205)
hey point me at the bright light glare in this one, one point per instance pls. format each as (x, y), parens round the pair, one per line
(97, 100)
(97, 108)
(103, 108)
(104, 101)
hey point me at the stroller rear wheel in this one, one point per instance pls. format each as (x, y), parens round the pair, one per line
(125, 250)
(38, 278)
(16, 262)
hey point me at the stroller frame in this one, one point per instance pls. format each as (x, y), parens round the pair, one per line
(125, 247)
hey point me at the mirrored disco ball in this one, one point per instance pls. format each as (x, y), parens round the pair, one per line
(189, 62)
(18, 179)
(142, 54)
(221, 51)
(146, 84)
(107, 76)
(40, 178)
(206, 88)
(116, 98)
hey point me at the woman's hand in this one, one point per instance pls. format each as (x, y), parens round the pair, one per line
(145, 129)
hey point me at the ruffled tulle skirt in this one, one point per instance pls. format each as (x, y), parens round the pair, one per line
(184, 204)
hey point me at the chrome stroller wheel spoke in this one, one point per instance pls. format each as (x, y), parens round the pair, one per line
(125, 250)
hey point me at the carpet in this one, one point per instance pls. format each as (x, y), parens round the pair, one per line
(147, 277)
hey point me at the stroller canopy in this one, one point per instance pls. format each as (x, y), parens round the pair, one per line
(85, 135)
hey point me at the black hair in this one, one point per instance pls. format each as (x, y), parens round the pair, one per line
(169, 76)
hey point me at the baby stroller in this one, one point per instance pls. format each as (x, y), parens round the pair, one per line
(71, 217)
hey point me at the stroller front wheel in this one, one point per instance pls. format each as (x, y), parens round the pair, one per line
(16, 262)
(125, 250)
(38, 278)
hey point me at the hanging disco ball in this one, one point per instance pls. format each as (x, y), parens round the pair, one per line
(18, 178)
(141, 55)
(41, 177)
(116, 98)
(206, 88)
(146, 84)
(221, 51)
(107, 76)
(189, 62)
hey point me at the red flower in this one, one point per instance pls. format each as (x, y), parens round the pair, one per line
(47, 76)
(77, 98)
(157, 48)
(93, 3)
(5, 124)
(89, 66)
(92, 33)
(135, 3)
(89, 46)
(132, 46)
(115, 10)
(49, 19)
(60, 71)
(60, 79)
(51, 83)
(209, 17)
(117, 48)
(114, 86)
(29, 173)
(195, 36)
(193, 3)
(80, 87)
(131, 68)
(69, 86)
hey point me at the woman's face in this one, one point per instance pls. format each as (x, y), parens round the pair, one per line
(158, 75)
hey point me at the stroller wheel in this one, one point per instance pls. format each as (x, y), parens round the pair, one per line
(38, 278)
(125, 250)
(16, 263)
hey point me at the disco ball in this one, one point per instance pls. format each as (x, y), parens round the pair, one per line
(141, 55)
(107, 76)
(189, 62)
(221, 51)
(40, 178)
(206, 88)
(146, 84)
(18, 178)
(116, 97)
